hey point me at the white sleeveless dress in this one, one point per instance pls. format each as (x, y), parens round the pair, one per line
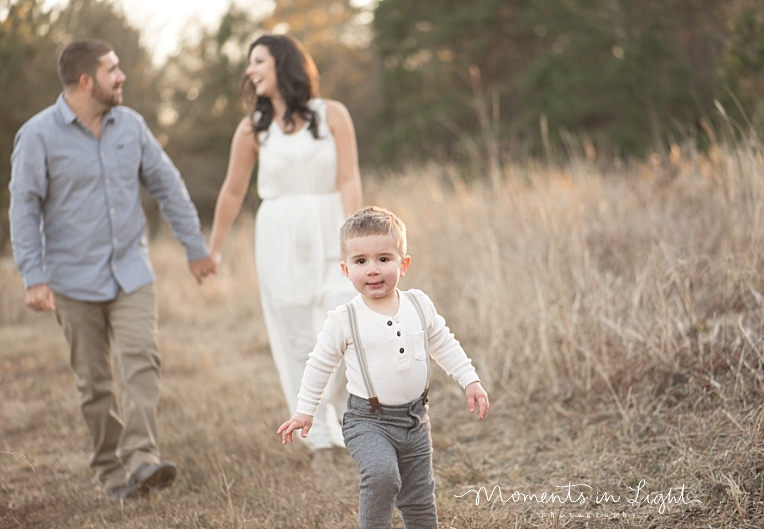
(298, 255)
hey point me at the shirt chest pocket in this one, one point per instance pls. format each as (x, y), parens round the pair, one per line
(420, 353)
(126, 158)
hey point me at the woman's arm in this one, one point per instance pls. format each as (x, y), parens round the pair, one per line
(244, 150)
(348, 174)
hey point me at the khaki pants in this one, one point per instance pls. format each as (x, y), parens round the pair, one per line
(127, 327)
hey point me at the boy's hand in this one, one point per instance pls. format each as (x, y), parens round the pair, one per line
(476, 393)
(299, 421)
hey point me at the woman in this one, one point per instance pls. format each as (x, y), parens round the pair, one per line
(309, 183)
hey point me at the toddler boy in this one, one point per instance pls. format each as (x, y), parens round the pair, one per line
(386, 337)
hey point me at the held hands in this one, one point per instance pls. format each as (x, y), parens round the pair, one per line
(40, 298)
(476, 394)
(201, 268)
(299, 421)
(216, 257)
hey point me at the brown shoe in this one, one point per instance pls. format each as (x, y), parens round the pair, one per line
(145, 478)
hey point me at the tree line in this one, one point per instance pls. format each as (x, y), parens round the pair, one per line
(476, 82)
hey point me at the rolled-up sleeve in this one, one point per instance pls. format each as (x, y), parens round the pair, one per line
(162, 180)
(28, 189)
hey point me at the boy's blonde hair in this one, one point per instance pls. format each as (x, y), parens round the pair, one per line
(373, 220)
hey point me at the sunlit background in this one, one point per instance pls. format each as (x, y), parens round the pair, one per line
(581, 181)
(164, 25)
(478, 84)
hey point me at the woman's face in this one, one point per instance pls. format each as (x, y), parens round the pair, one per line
(261, 71)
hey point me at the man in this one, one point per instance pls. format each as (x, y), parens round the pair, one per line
(78, 236)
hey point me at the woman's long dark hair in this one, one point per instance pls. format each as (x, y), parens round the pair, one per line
(297, 79)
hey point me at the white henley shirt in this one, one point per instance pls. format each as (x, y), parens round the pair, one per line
(395, 353)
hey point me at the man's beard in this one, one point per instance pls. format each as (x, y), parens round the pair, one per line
(105, 96)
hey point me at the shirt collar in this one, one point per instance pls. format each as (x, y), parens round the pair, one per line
(66, 113)
(70, 117)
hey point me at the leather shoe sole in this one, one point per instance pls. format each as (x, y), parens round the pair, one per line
(145, 478)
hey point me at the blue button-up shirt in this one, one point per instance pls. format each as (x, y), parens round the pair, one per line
(76, 218)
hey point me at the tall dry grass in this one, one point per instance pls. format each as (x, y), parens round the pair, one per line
(583, 280)
(613, 311)
(624, 301)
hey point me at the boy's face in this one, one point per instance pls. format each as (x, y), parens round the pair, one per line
(374, 265)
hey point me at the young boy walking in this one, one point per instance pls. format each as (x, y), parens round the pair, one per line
(386, 338)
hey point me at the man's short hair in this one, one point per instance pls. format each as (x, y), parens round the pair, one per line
(81, 57)
(373, 220)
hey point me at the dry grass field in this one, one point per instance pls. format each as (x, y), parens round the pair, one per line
(614, 312)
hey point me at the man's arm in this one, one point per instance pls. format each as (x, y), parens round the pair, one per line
(29, 187)
(162, 180)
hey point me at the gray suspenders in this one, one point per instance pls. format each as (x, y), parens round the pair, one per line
(419, 312)
(353, 321)
(356, 335)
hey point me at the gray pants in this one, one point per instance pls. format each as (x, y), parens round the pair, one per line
(393, 450)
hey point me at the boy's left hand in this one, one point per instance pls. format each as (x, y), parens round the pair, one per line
(476, 394)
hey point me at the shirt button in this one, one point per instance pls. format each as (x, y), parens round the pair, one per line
(111, 211)
(108, 181)
(115, 239)
(398, 333)
(389, 323)
(401, 350)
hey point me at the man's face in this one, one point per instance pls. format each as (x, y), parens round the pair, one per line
(108, 80)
